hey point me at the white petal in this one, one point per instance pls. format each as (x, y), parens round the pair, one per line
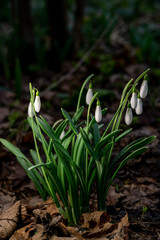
(98, 114)
(62, 134)
(89, 96)
(134, 100)
(144, 89)
(139, 108)
(30, 110)
(37, 104)
(128, 116)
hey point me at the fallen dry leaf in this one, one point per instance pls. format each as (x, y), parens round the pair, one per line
(23, 233)
(113, 196)
(90, 220)
(62, 238)
(97, 225)
(121, 233)
(51, 207)
(6, 202)
(9, 220)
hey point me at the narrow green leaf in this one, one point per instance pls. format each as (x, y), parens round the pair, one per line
(15, 150)
(71, 123)
(77, 115)
(132, 155)
(106, 139)
(61, 128)
(87, 143)
(99, 169)
(123, 135)
(96, 134)
(39, 165)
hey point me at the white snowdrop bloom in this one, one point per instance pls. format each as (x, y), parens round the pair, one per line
(89, 94)
(62, 134)
(98, 112)
(30, 110)
(133, 100)
(128, 116)
(139, 108)
(144, 89)
(37, 103)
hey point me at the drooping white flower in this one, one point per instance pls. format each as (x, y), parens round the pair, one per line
(98, 112)
(37, 102)
(128, 116)
(30, 110)
(133, 100)
(139, 108)
(89, 94)
(62, 134)
(144, 87)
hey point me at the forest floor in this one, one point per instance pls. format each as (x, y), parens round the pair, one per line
(133, 202)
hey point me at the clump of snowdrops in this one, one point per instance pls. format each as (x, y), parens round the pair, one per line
(77, 153)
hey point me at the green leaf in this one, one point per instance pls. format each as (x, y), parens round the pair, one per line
(96, 134)
(60, 128)
(87, 143)
(71, 123)
(25, 163)
(91, 180)
(15, 150)
(106, 139)
(132, 155)
(77, 115)
(133, 146)
(99, 169)
(123, 135)
(39, 165)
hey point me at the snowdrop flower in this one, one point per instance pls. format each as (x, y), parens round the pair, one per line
(134, 99)
(139, 108)
(89, 94)
(144, 87)
(62, 134)
(98, 112)
(37, 102)
(30, 110)
(129, 115)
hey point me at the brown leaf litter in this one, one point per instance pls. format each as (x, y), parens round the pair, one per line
(42, 221)
(9, 220)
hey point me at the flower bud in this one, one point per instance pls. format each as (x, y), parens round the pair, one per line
(139, 108)
(62, 134)
(144, 88)
(89, 94)
(134, 100)
(98, 112)
(30, 110)
(128, 116)
(37, 102)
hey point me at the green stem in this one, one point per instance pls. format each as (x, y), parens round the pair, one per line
(81, 91)
(35, 141)
(87, 131)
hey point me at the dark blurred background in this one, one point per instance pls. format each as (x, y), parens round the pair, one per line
(42, 40)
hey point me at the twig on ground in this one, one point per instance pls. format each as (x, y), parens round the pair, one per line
(80, 62)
